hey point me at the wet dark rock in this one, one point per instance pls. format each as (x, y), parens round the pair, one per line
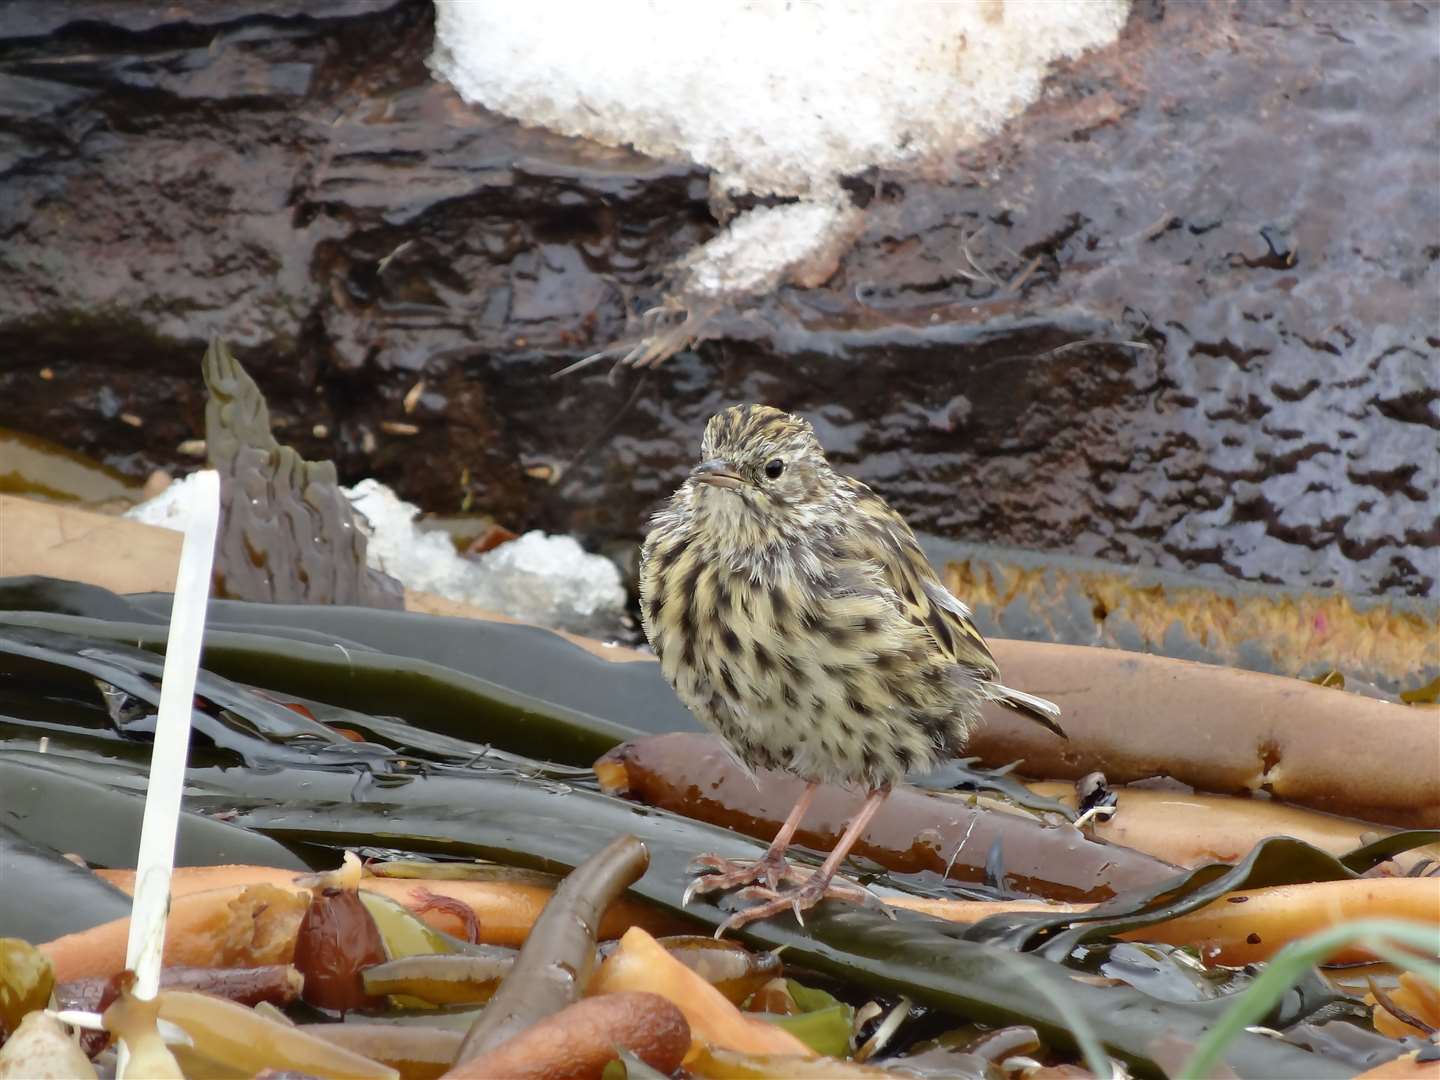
(1180, 316)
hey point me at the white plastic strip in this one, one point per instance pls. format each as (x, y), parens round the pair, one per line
(172, 738)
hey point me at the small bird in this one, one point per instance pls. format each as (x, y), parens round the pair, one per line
(795, 615)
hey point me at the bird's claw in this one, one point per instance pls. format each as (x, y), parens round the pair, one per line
(717, 874)
(690, 891)
(835, 889)
(759, 884)
(768, 902)
(734, 922)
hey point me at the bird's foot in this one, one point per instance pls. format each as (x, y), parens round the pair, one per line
(799, 899)
(718, 875)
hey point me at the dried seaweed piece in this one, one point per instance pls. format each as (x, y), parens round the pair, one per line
(287, 533)
(279, 984)
(580, 1040)
(642, 965)
(731, 968)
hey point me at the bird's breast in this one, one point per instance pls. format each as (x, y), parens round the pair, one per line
(792, 674)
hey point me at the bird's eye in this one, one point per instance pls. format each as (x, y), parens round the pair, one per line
(774, 467)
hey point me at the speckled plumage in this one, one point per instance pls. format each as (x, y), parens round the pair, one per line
(796, 615)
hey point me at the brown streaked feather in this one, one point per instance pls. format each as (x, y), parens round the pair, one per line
(923, 599)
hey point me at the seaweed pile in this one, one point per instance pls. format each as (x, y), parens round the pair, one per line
(1009, 942)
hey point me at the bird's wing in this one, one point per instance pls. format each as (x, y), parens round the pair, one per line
(879, 535)
(883, 536)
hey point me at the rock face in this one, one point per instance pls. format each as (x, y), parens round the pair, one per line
(1181, 315)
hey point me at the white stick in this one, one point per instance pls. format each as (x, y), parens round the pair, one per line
(172, 739)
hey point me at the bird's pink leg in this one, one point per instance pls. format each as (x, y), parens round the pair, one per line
(819, 885)
(771, 869)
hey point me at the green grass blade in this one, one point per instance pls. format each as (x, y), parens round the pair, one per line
(1379, 935)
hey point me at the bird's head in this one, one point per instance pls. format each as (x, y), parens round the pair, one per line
(762, 471)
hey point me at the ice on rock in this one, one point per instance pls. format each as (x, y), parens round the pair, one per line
(553, 581)
(548, 580)
(424, 561)
(768, 245)
(170, 509)
(776, 98)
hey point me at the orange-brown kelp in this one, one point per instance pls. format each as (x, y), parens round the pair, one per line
(1247, 925)
(242, 926)
(640, 964)
(732, 969)
(1193, 827)
(579, 1041)
(1219, 729)
(694, 775)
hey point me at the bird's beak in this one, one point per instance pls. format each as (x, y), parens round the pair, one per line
(717, 473)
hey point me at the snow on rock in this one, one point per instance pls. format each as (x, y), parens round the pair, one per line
(553, 581)
(548, 580)
(777, 98)
(170, 509)
(803, 240)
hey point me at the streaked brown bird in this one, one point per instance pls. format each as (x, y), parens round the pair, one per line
(795, 615)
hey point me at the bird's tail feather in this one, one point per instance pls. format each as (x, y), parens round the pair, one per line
(1043, 712)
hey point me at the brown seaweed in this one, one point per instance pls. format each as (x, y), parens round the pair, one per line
(913, 832)
(416, 1052)
(554, 966)
(1218, 729)
(288, 535)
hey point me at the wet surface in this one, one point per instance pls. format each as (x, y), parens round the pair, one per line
(945, 840)
(1181, 316)
(39, 469)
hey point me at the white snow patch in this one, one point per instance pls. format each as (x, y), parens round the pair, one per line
(778, 97)
(553, 581)
(170, 509)
(548, 580)
(767, 245)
